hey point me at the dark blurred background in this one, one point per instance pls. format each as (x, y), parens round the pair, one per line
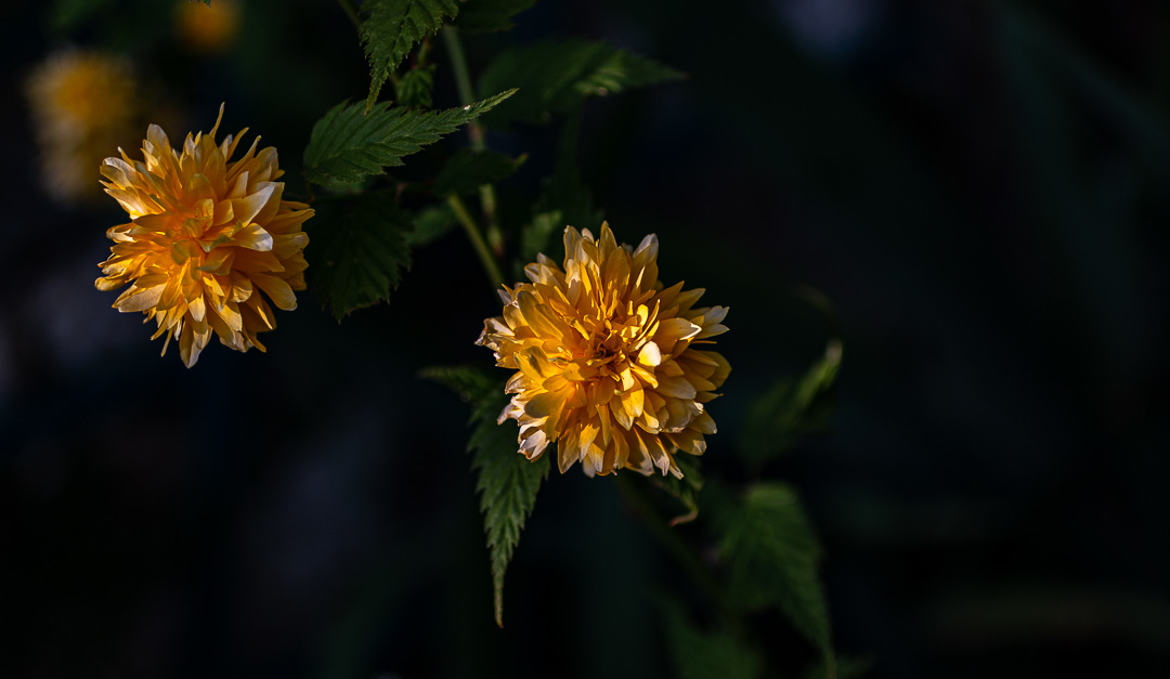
(979, 188)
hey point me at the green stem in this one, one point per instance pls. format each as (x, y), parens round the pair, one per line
(485, 255)
(351, 12)
(487, 194)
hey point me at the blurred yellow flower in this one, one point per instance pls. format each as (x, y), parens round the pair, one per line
(83, 105)
(207, 28)
(206, 232)
(607, 361)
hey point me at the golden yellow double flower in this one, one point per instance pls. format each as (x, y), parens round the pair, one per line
(207, 235)
(608, 362)
(610, 365)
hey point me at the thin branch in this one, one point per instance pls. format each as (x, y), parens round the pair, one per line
(487, 194)
(485, 255)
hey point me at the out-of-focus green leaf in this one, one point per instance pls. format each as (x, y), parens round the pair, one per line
(431, 223)
(791, 409)
(507, 482)
(390, 30)
(773, 558)
(1146, 125)
(537, 234)
(66, 15)
(359, 250)
(415, 87)
(348, 144)
(555, 77)
(706, 655)
(847, 668)
(489, 16)
(468, 170)
(471, 383)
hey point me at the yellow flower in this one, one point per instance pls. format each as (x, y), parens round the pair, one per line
(206, 233)
(207, 28)
(606, 358)
(82, 105)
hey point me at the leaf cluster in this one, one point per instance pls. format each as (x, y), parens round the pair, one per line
(391, 28)
(362, 247)
(767, 553)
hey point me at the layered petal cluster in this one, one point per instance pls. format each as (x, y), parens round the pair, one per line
(207, 235)
(608, 362)
(82, 105)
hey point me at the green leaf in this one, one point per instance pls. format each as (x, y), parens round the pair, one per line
(847, 668)
(359, 250)
(489, 16)
(391, 29)
(471, 383)
(348, 145)
(791, 409)
(706, 655)
(415, 87)
(66, 15)
(556, 77)
(431, 223)
(773, 557)
(537, 234)
(468, 170)
(567, 194)
(507, 482)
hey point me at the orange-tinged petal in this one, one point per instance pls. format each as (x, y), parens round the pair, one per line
(278, 291)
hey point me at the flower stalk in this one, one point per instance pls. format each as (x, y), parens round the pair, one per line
(487, 194)
(481, 249)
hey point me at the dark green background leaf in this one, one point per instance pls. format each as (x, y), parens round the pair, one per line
(486, 16)
(773, 557)
(431, 223)
(414, 89)
(358, 251)
(791, 409)
(555, 77)
(467, 170)
(537, 236)
(706, 655)
(847, 668)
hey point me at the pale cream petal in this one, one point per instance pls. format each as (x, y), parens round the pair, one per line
(649, 355)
